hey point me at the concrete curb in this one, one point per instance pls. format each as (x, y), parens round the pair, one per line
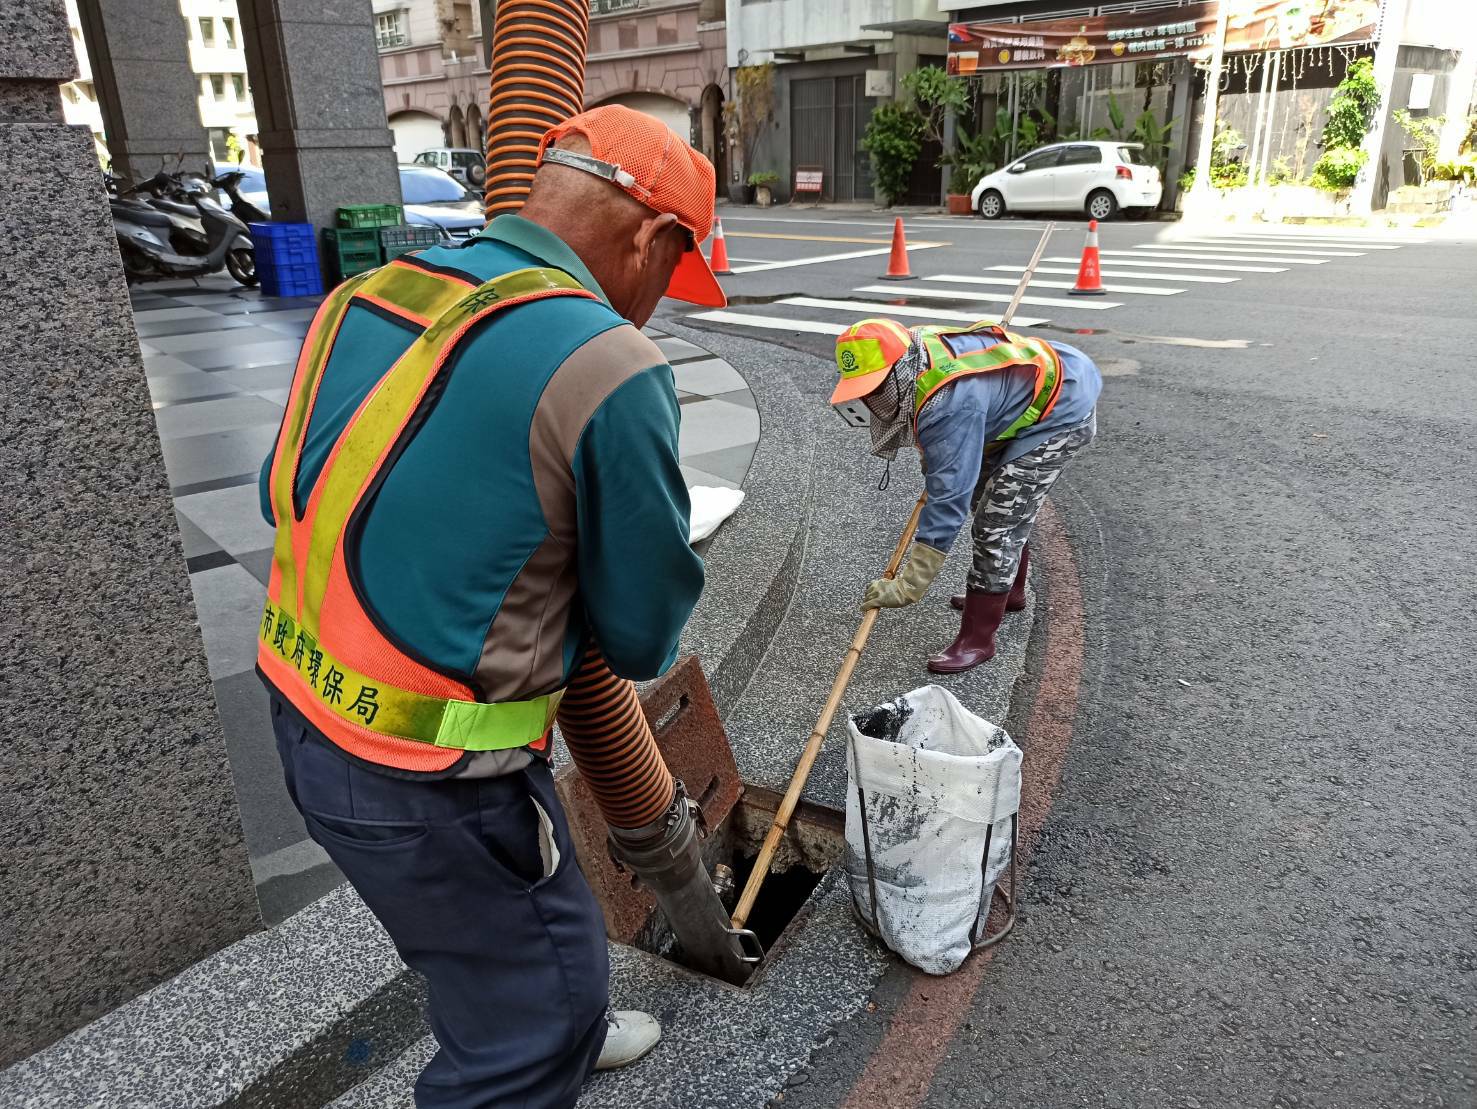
(310, 1009)
(283, 1018)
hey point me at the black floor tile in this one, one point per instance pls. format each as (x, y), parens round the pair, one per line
(214, 484)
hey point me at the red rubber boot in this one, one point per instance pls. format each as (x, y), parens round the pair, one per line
(1017, 600)
(976, 640)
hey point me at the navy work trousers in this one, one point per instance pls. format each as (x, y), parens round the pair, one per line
(476, 882)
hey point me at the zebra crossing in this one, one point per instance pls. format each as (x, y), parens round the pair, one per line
(1173, 266)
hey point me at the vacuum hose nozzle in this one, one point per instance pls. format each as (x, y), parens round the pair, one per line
(666, 856)
(652, 830)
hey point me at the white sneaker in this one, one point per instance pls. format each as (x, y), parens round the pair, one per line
(630, 1036)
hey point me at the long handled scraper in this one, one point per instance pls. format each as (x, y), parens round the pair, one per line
(848, 665)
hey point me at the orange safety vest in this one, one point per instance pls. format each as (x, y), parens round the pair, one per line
(1013, 350)
(319, 646)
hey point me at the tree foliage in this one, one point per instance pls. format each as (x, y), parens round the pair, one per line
(894, 139)
(936, 94)
(1351, 111)
(752, 108)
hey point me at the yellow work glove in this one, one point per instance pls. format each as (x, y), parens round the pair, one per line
(912, 582)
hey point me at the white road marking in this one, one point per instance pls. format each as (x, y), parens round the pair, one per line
(1393, 241)
(771, 323)
(1196, 277)
(1170, 252)
(870, 308)
(1269, 244)
(886, 225)
(1177, 244)
(1090, 303)
(1129, 261)
(1149, 289)
(762, 266)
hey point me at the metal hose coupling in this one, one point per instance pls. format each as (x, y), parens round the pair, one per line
(667, 858)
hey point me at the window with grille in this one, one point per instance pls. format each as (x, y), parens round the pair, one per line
(389, 30)
(218, 85)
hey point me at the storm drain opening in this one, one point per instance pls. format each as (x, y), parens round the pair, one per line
(813, 843)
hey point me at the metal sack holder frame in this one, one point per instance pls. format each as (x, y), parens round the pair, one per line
(978, 940)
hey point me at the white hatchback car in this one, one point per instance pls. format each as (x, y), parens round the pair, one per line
(1098, 178)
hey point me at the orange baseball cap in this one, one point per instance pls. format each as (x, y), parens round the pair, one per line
(643, 157)
(865, 351)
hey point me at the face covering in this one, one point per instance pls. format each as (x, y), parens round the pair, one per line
(891, 405)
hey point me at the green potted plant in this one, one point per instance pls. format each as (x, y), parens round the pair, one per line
(763, 182)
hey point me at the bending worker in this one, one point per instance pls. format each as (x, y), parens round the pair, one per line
(476, 477)
(995, 417)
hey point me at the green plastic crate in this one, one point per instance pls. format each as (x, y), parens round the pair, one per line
(369, 215)
(395, 241)
(351, 251)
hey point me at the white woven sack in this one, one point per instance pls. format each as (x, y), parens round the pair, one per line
(936, 778)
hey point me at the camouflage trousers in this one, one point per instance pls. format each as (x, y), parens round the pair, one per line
(1007, 500)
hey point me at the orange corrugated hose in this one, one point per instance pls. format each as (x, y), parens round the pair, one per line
(538, 80)
(611, 743)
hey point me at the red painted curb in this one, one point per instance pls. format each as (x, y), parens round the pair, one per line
(900, 1071)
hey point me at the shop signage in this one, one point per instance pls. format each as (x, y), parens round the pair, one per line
(1186, 31)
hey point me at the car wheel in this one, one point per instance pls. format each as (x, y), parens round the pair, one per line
(1102, 205)
(992, 205)
(476, 176)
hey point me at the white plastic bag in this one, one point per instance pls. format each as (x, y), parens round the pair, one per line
(710, 507)
(939, 784)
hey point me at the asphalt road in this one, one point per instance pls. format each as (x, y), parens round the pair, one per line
(1255, 883)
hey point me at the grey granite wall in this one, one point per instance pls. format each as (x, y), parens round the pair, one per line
(121, 856)
(320, 106)
(140, 56)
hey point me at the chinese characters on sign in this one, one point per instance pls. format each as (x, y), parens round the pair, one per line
(1141, 36)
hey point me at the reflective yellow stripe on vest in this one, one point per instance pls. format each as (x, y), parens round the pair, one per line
(464, 725)
(1012, 350)
(293, 632)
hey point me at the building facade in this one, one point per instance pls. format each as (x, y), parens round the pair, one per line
(1283, 61)
(432, 67)
(666, 58)
(663, 57)
(834, 63)
(218, 59)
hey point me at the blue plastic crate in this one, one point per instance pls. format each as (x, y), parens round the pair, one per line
(290, 279)
(283, 243)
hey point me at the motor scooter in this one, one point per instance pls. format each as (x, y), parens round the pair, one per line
(158, 237)
(243, 209)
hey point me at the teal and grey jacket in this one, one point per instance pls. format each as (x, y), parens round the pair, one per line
(539, 505)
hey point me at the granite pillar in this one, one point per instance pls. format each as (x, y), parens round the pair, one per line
(121, 854)
(150, 97)
(320, 107)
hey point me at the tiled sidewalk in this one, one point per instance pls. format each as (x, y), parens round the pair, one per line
(219, 360)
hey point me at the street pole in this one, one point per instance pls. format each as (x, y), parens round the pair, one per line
(1392, 27)
(1201, 188)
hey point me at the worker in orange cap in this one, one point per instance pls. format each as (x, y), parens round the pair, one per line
(996, 417)
(476, 477)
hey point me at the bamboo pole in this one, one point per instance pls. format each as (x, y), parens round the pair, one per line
(817, 737)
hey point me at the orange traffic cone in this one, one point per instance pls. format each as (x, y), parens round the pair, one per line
(897, 263)
(1090, 273)
(719, 259)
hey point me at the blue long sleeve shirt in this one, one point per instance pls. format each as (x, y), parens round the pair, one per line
(966, 415)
